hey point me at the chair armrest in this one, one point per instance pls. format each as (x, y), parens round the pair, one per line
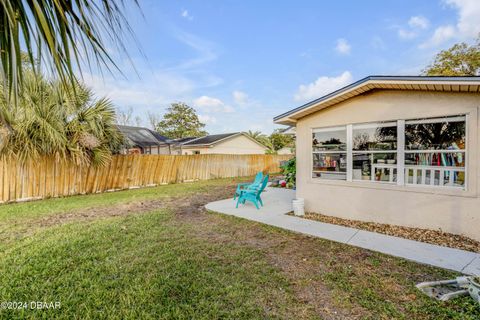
(243, 184)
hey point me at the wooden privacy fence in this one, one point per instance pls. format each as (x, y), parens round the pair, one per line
(48, 177)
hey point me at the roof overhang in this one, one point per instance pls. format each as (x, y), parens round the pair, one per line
(420, 83)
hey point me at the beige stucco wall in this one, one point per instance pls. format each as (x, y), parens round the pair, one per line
(456, 211)
(237, 145)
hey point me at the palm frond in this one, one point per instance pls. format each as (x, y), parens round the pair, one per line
(50, 121)
(63, 34)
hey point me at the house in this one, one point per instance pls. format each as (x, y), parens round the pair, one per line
(286, 150)
(393, 149)
(142, 140)
(227, 143)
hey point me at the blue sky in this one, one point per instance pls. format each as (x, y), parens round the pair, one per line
(240, 63)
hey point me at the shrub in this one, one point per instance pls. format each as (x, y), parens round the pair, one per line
(289, 169)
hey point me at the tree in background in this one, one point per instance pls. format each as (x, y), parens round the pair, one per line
(126, 118)
(153, 119)
(459, 60)
(52, 119)
(180, 121)
(276, 141)
(260, 137)
(280, 140)
(257, 135)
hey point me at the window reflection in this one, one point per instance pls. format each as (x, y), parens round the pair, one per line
(435, 134)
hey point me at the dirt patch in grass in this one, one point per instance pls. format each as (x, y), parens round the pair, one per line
(183, 205)
(437, 237)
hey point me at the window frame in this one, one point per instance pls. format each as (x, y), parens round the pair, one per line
(453, 118)
(327, 129)
(395, 151)
(400, 152)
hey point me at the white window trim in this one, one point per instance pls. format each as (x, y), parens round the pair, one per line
(400, 152)
(328, 129)
(349, 153)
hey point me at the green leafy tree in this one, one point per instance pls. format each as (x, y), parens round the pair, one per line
(280, 140)
(181, 121)
(459, 60)
(52, 119)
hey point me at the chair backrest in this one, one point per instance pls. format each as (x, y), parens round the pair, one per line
(258, 178)
(264, 184)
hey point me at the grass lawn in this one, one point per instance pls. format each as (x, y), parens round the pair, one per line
(155, 253)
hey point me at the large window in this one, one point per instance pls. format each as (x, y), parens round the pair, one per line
(435, 151)
(330, 153)
(374, 150)
(428, 152)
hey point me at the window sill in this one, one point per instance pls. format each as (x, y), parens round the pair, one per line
(446, 191)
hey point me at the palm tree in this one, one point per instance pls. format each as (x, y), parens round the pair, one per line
(52, 119)
(262, 138)
(62, 34)
(255, 134)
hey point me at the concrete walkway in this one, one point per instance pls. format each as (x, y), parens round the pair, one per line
(278, 202)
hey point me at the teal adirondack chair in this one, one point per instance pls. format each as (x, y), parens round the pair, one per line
(253, 194)
(244, 186)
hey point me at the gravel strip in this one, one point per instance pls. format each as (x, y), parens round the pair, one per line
(437, 237)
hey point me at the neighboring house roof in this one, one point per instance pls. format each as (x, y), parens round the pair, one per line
(182, 140)
(142, 137)
(421, 83)
(290, 130)
(217, 138)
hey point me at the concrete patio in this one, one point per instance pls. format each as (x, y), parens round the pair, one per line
(278, 202)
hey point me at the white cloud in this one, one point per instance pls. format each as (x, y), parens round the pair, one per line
(186, 15)
(415, 24)
(467, 26)
(154, 90)
(322, 86)
(205, 118)
(441, 35)
(240, 98)
(406, 34)
(419, 22)
(468, 16)
(210, 104)
(343, 47)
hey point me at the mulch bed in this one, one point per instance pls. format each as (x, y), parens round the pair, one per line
(437, 237)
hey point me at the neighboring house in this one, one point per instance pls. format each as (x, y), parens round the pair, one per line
(286, 150)
(228, 143)
(142, 140)
(397, 150)
(290, 130)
